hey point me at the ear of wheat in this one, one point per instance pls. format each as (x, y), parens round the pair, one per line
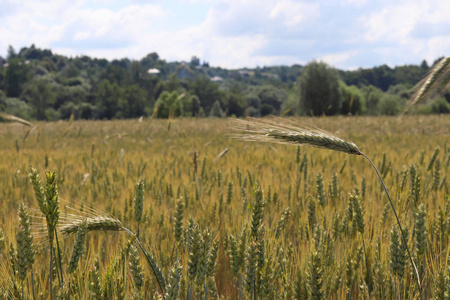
(430, 82)
(10, 118)
(93, 224)
(280, 131)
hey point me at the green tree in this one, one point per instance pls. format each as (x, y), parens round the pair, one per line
(234, 101)
(216, 110)
(206, 91)
(11, 53)
(353, 101)
(2, 101)
(191, 106)
(18, 108)
(195, 102)
(390, 105)
(169, 105)
(319, 89)
(109, 97)
(400, 90)
(2, 76)
(40, 96)
(272, 96)
(136, 101)
(437, 106)
(372, 95)
(15, 77)
(195, 61)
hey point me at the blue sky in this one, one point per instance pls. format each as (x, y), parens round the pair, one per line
(236, 33)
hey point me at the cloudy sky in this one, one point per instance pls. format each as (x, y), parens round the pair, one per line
(234, 33)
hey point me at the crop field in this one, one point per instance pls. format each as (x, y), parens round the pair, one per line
(178, 209)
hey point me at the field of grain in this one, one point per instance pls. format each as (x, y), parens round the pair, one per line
(224, 218)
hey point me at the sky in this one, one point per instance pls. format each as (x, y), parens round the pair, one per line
(347, 34)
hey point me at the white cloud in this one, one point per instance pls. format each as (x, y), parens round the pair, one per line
(437, 47)
(234, 33)
(82, 35)
(338, 58)
(356, 3)
(292, 13)
(394, 22)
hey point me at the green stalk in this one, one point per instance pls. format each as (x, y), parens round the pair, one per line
(416, 273)
(59, 258)
(57, 269)
(32, 285)
(367, 265)
(149, 261)
(51, 273)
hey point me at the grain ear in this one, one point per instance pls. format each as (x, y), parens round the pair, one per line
(277, 130)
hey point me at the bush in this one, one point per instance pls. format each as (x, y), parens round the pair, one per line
(18, 108)
(216, 110)
(439, 106)
(168, 105)
(266, 109)
(353, 101)
(390, 105)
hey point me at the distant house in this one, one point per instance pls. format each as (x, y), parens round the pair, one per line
(246, 73)
(153, 71)
(216, 78)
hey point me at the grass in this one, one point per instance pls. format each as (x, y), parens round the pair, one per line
(204, 228)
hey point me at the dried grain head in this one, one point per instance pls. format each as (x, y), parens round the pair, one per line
(282, 131)
(438, 76)
(93, 224)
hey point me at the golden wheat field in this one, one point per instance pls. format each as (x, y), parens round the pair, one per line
(177, 209)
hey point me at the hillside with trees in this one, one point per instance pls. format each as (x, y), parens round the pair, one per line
(38, 84)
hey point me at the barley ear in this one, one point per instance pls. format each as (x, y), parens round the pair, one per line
(314, 276)
(25, 245)
(257, 212)
(358, 217)
(433, 158)
(395, 255)
(93, 224)
(138, 200)
(174, 284)
(233, 254)
(52, 204)
(430, 82)
(78, 247)
(38, 190)
(250, 271)
(277, 130)
(178, 220)
(95, 286)
(10, 118)
(136, 269)
(154, 266)
(420, 232)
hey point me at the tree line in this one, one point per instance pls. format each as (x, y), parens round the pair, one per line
(38, 84)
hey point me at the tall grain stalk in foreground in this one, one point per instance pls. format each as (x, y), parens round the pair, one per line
(48, 202)
(281, 131)
(438, 75)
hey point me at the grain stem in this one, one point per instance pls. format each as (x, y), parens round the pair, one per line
(416, 273)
